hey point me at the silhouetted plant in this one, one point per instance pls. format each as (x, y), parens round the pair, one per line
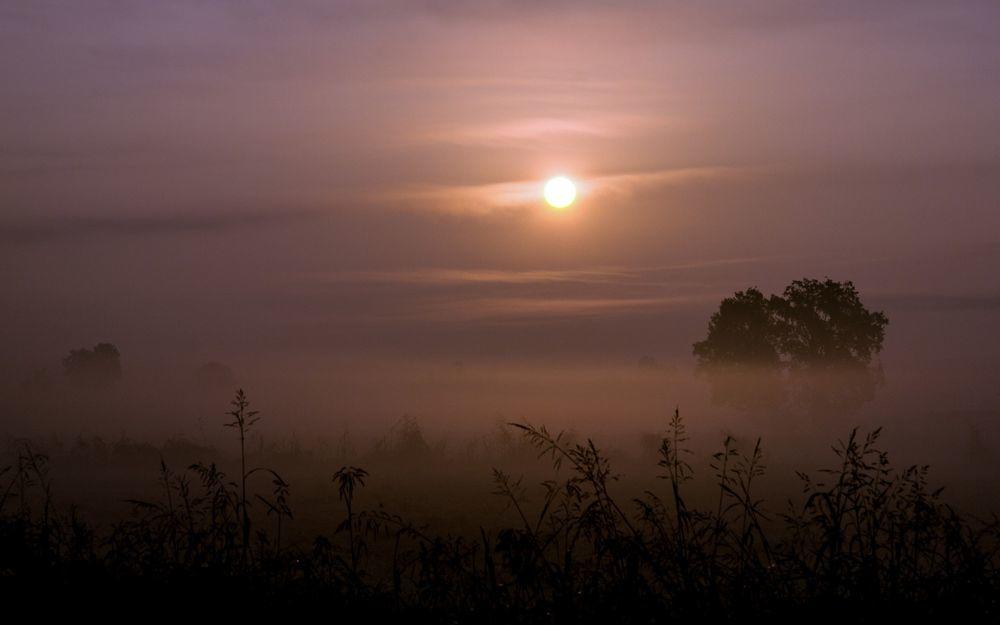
(347, 480)
(866, 541)
(243, 420)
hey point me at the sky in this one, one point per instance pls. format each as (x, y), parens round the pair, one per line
(248, 180)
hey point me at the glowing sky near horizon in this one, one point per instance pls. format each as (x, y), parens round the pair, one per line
(182, 174)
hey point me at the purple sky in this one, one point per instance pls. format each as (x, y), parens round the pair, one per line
(223, 180)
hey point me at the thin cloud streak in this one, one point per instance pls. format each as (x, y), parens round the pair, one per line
(40, 230)
(530, 131)
(481, 276)
(932, 302)
(513, 309)
(475, 276)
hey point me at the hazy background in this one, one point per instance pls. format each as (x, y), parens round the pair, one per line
(341, 202)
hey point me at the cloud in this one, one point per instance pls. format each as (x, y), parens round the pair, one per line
(927, 302)
(490, 295)
(631, 182)
(440, 276)
(513, 309)
(527, 131)
(432, 276)
(35, 230)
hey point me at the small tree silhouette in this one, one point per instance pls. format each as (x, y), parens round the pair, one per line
(100, 366)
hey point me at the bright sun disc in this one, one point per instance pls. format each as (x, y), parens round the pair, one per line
(560, 192)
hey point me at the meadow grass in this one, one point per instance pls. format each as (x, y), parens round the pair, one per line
(864, 541)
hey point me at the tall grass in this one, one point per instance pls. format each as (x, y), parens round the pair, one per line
(865, 541)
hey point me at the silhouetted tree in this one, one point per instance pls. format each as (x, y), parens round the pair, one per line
(814, 343)
(825, 324)
(743, 332)
(742, 344)
(99, 366)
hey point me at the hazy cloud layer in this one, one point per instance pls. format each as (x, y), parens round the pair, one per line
(47, 230)
(231, 179)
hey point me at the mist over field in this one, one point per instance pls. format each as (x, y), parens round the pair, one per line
(502, 312)
(606, 373)
(943, 410)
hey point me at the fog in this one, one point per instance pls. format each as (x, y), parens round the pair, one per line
(943, 413)
(774, 292)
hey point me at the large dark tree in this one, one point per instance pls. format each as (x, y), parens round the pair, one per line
(816, 339)
(743, 332)
(824, 324)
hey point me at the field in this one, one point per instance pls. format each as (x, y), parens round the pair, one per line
(516, 525)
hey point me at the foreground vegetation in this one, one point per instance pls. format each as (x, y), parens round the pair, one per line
(866, 541)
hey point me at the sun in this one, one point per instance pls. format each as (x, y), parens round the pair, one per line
(560, 192)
